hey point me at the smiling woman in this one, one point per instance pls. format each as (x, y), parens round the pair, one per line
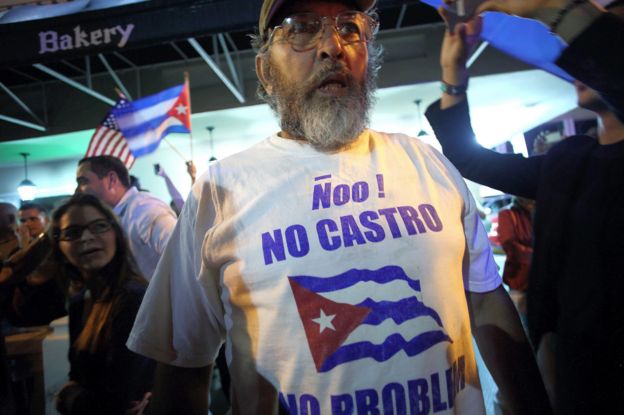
(105, 293)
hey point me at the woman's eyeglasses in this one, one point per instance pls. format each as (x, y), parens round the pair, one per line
(72, 233)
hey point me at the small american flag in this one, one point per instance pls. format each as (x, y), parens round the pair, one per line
(108, 139)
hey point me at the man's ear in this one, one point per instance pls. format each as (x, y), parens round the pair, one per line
(112, 179)
(263, 72)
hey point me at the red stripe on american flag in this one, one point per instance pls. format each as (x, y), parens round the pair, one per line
(97, 136)
(109, 142)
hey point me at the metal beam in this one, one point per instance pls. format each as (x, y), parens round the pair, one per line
(88, 71)
(22, 123)
(179, 51)
(74, 67)
(25, 75)
(126, 60)
(73, 83)
(112, 73)
(228, 59)
(21, 103)
(476, 54)
(401, 16)
(216, 69)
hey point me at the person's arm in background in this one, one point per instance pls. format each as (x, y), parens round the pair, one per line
(191, 170)
(25, 260)
(173, 191)
(450, 120)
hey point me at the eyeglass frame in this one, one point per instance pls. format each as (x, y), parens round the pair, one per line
(58, 235)
(369, 18)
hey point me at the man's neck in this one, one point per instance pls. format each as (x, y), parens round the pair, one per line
(286, 134)
(610, 128)
(120, 195)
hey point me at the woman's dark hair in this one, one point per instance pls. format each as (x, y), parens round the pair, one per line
(120, 270)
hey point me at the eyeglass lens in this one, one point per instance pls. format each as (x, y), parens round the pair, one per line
(304, 30)
(72, 233)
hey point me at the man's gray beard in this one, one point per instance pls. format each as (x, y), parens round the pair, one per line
(327, 123)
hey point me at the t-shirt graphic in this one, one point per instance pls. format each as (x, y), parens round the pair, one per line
(343, 323)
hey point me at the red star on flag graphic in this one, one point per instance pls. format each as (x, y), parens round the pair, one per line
(181, 109)
(327, 324)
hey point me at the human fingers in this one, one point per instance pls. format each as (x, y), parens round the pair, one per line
(492, 6)
(474, 26)
(443, 14)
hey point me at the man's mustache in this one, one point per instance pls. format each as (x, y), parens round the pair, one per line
(327, 70)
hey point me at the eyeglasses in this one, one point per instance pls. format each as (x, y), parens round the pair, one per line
(72, 233)
(303, 31)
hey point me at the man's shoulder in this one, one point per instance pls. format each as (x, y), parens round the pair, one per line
(141, 199)
(401, 141)
(143, 208)
(398, 139)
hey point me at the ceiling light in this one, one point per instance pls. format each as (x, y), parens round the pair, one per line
(26, 189)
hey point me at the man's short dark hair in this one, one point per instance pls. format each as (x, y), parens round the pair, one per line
(101, 165)
(40, 208)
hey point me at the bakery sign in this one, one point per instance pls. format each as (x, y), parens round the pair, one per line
(78, 38)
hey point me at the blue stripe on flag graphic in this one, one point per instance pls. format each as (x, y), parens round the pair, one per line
(150, 125)
(399, 311)
(143, 103)
(149, 141)
(428, 326)
(383, 275)
(382, 352)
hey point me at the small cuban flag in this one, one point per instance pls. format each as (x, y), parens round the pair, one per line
(365, 314)
(524, 39)
(146, 121)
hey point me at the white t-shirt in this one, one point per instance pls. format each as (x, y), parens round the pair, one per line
(336, 280)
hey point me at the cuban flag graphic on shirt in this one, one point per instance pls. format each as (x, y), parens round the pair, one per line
(365, 314)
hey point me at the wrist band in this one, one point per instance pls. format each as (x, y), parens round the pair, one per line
(563, 12)
(453, 89)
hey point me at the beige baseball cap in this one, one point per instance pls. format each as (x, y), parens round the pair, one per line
(270, 8)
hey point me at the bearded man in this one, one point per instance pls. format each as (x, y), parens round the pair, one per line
(346, 270)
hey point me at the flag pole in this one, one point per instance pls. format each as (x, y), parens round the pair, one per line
(174, 149)
(187, 85)
(119, 93)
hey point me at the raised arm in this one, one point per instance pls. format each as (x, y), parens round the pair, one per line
(450, 119)
(173, 191)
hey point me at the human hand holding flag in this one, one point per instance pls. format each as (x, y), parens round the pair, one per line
(524, 39)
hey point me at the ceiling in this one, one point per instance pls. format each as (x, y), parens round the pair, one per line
(506, 99)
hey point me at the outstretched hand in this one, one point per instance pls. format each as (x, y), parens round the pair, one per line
(191, 170)
(459, 44)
